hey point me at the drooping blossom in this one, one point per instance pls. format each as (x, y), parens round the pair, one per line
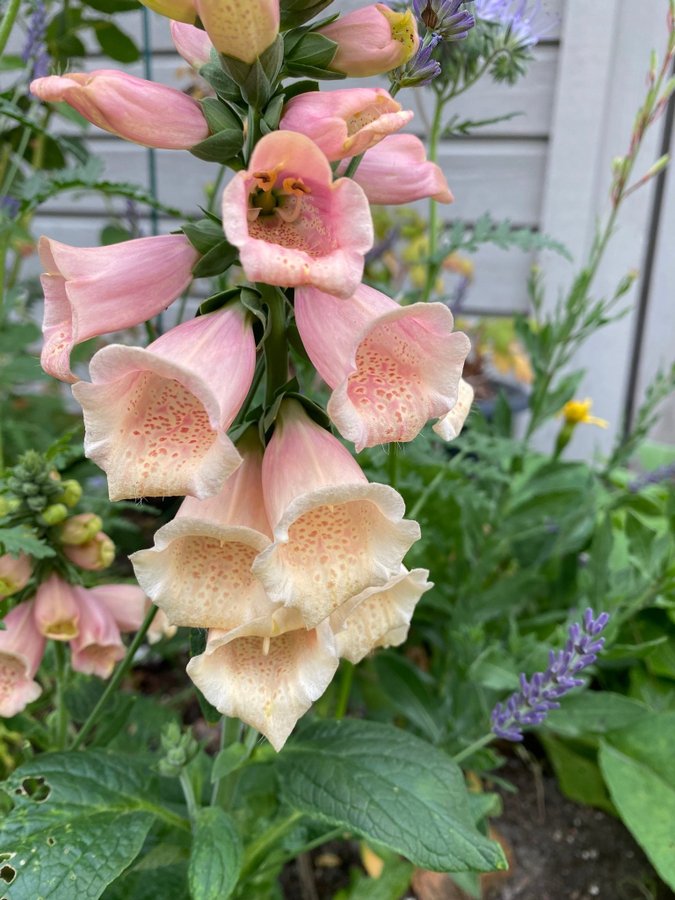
(199, 571)
(156, 419)
(381, 615)
(397, 171)
(21, 650)
(345, 123)
(539, 695)
(192, 43)
(56, 609)
(449, 19)
(292, 223)
(450, 426)
(525, 19)
(15, 572)
(137, 110)
(129, 606)
(179, 10)
(241, 30)
(372, 40)
(391, 367)
(266, 674)
(98, 645)
(91, 291)
(334, 533)
(93, 555)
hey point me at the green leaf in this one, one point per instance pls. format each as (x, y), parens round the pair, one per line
(387, 786)
(297, 12)
(219, 116)
(216, 260)
(215, 861)
(311, 56)
(220, 147)
(203, 234)
(578, 773)
(228, 760)
(20, 539)
(646, 803)
(112, 6)
(404, 687)
(594, 712)
(115, 43)
(79, 819)
(9, 62)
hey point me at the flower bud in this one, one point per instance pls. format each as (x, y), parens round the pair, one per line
(241, 30)
(8, 506)
(179, 749)
(72, 492)
(372, 40)
(93, 555)
(80, 529)
(54, 514)
(15, 574)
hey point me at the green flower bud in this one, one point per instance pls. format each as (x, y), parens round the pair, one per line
(54, 514)
(71, 492)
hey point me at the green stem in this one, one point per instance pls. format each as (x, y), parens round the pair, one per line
(472, 748)
(7, 22)
(434, 136)
(216, 188)
(276, 345)
(117, 676)
(345, 689)
(392, 464)
(354, 163)
(230, 730)
(426, 493)
(61, 683)
(317, 842)
(266, 840)
(189, 794)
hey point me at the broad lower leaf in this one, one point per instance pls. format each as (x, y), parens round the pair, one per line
(215, 861)
(389, 786)
(595, 712)
(79, 819)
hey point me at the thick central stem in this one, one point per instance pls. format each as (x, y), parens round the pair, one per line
(276, 346)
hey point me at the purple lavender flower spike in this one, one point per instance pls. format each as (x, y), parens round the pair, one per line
(422, 68)
(35, 49)
(538, 696)
(445, 18)
(524, 18)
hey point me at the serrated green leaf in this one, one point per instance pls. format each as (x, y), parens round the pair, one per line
(387, 786)
(21, 539)
(79, 820)
(215, 861)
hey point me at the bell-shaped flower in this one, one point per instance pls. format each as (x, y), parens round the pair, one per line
(93, 555)
(95, 290)
(397, 171)
(15, 572)
(137, 110)
(292, 223)
(266, 673)
(241, 30)
(372, 40)
(381, 615)
(345, 123)
(199, 571)
(156, 419)
(129, 606)
(56, 609)
(21, 649)
(391, 367)
(450, 426)
(334, 533)
(179, 10)
(98, 646)
(192, 43)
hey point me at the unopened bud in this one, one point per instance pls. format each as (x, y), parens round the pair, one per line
(93, 555)
(72, 492)
(54, 514)
(80, 529)
(15, 574)
(179, 749)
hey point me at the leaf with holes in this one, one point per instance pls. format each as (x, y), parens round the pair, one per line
(79, 819)
(388, 786)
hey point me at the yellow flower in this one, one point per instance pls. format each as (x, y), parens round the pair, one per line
(578, 411)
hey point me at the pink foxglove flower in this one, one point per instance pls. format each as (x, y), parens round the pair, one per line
(334, 533)
(95, 290)
(397, 171)
(129, 606)
(266, 676)
(15, 572)
(192, 43)
(372, 40)
(391, 367)
(199, 571)
(241, 30)
(292, 223)
(137, 110)
(98, 646)
(21, 649)
(93, 555)
(381, 615)
(156, 419)
(450, 426)
(56, 609)
(345, 123)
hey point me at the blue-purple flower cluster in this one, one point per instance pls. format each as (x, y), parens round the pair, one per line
(524, 18)
(35, 48)
(538, 696)
(445, 18)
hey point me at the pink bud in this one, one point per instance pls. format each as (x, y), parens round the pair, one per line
(345, 123)
(79, 529)
(57, 613)
(397, 171)
(99, 645)
(241, 30)
(134, 109)
(15, 572)
(192, 43)
(391, 367)
(95, 290)
(93, 555)
(129, 606)
(334, 533)
(21, 649)
(156, 419)
(372, 40)
(292, 223)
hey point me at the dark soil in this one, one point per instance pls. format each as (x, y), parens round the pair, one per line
(557, 850)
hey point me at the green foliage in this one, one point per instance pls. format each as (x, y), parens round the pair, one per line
(216, 857)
